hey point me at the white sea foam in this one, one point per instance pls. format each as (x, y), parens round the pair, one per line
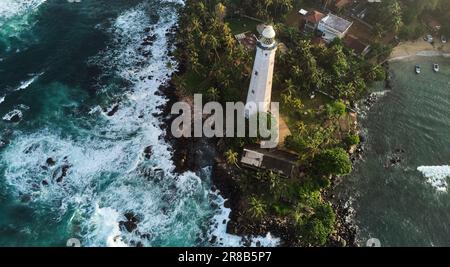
(107, 228)
(10, 8)
(436, 176)
(25, 84)
(15, 113)
(107, 174)
(381, 93)
(220, 221)
(2, 99)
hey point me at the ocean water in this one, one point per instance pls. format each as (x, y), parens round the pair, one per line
(400, 190)
(78, 107)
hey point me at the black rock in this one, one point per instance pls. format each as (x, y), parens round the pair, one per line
(131, 223)
(128, 225)
(62, 173)
(50, 162)
(113, 111)
(148, 152)
(131, 217)
(146, 236)
(15, 118)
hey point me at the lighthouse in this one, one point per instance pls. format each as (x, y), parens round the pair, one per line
(260, 90)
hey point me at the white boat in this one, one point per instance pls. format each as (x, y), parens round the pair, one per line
(418, 70)
(436, 67)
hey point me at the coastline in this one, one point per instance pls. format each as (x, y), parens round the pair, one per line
(192, 154)
(189, 155)
(402, 55)
(419, 47)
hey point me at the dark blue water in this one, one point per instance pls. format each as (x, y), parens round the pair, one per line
(407, 203)
(68, 169)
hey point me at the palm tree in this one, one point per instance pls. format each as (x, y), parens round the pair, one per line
(289, 87)
(214, 43)
(257, 208)
(203, 39)
(195, 24)
(202, 9)
(273, 179)
(213, 93)
(229, 42)
(231, 157)
(268, 3)
(221, 11)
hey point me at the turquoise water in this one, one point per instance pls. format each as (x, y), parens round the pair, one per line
(397, 203)
(68, 169)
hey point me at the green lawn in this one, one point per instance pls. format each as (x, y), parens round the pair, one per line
(309, 104)
(240, 25)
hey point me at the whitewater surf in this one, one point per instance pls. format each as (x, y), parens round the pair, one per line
(81, 160)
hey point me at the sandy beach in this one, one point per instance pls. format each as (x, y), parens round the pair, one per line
(419, 48)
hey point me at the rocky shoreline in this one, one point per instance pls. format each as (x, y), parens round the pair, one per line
(193, 154)
(224, 178)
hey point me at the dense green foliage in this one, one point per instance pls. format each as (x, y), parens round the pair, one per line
(351, 140)
(405, 17)
(332, 162)
(331, 69)
(214, 64)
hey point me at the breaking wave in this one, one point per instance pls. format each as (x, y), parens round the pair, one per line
(11, 8)
(25, 84)
(437, 176)
(117, 179)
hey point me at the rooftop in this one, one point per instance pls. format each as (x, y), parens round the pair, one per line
(357, 45)
(247, 39)
(314, 16)
(303, 12)
(342, 3)
(279, 161)
(336, 22)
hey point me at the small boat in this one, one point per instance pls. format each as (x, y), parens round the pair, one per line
(428, 38)
(436, 67)
(418, 70)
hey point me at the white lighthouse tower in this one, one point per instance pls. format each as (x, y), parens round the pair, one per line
(260, 90)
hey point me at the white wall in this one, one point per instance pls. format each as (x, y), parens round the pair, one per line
(260, 90)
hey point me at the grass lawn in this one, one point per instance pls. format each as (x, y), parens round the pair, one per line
(311, 105)
(240, 25)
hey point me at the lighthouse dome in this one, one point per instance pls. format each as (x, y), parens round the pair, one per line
(268, 33)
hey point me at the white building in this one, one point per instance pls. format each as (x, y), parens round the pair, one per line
(333, 27)
(260, 90)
